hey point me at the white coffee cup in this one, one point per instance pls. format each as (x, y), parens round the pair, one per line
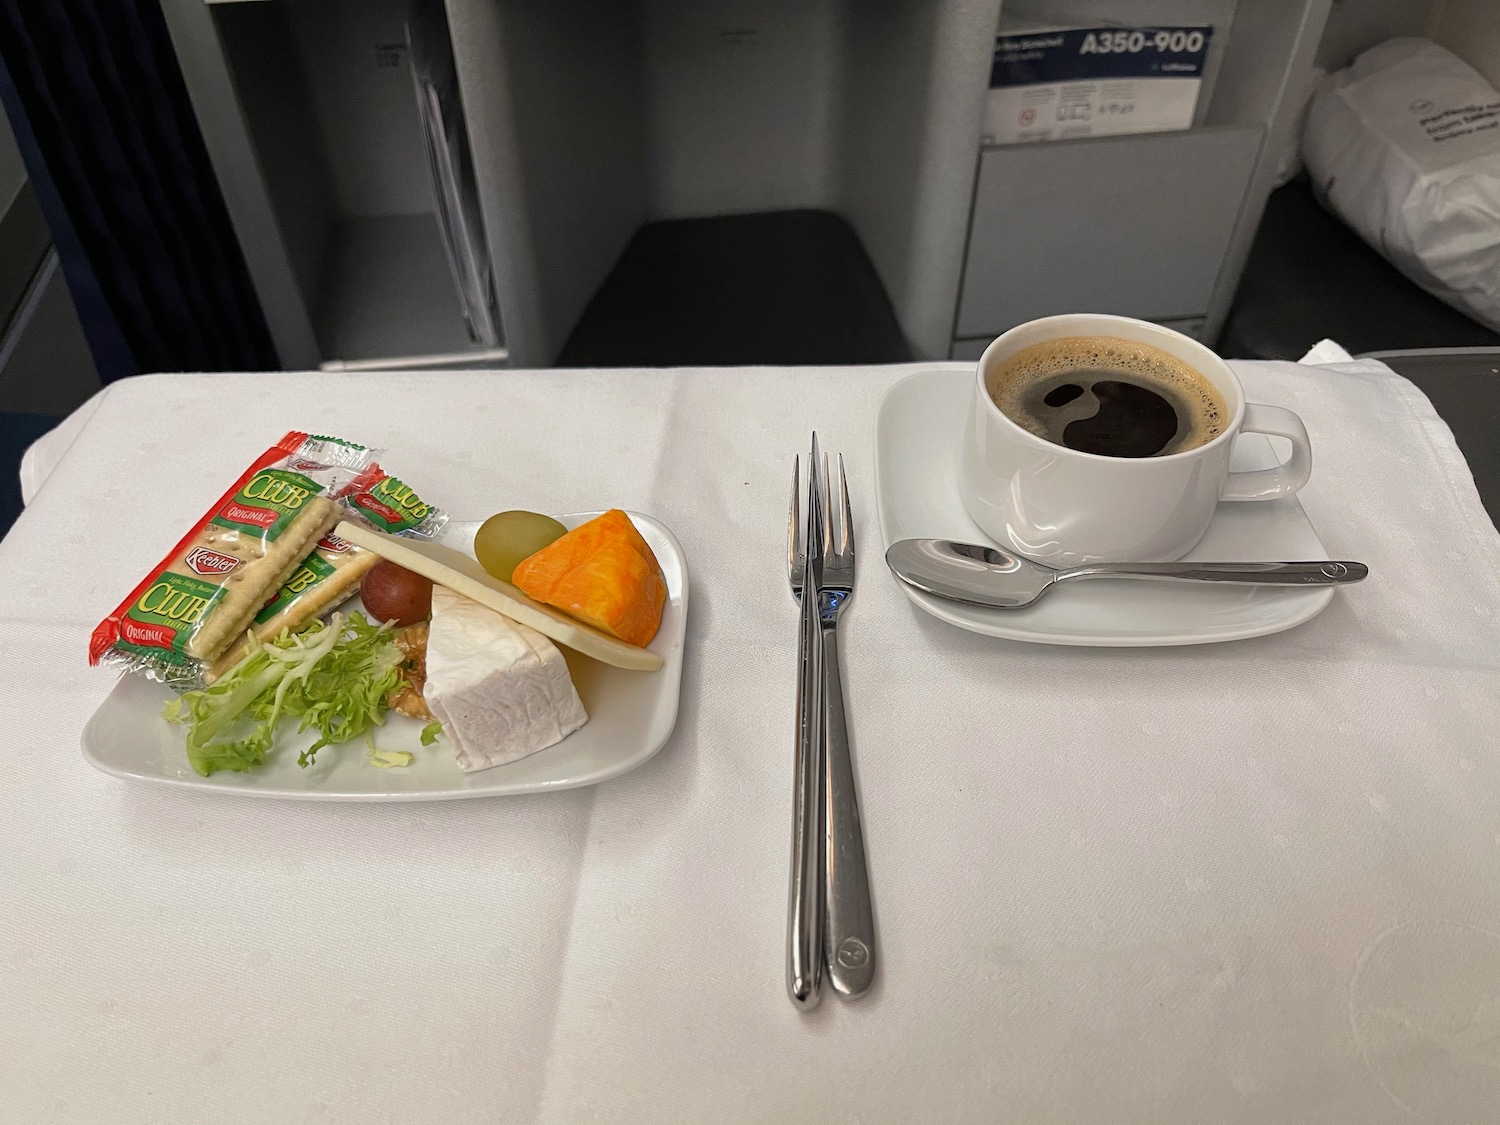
(1064, 507)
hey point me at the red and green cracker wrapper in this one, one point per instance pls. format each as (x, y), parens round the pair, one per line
(389, 505)
(332, 570)
(199, 599)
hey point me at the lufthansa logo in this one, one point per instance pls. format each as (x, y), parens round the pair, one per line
(853, 954)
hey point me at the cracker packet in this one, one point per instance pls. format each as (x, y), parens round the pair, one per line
(389, 505)
(333, 569)
(201, 598)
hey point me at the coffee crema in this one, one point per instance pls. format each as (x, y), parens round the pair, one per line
(1108, 396)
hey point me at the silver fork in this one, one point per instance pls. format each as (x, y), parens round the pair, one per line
(804, 958)
(849, 940)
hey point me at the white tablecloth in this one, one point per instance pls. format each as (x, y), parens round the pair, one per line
(1246, 882)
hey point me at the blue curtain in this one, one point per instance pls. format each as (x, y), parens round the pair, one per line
(102, 117)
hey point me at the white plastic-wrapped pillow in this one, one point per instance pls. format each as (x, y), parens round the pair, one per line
(1404, 145)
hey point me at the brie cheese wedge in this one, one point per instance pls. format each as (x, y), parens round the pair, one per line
(500, 689)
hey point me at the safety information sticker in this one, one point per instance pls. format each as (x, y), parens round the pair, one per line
(1054, 83)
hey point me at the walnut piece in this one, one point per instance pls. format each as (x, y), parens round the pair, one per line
(406, 697)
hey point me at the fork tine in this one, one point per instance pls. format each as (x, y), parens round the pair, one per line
(845, 545)
(816, 514)
(794, 546)
(825, 496)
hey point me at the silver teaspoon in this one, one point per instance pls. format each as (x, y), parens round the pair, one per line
(990, 577)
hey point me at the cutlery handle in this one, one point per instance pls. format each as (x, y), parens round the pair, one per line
(1327, 573)
(850, 943)
(804, 954)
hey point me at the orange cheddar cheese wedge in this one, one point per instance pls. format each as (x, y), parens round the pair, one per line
(603, 573)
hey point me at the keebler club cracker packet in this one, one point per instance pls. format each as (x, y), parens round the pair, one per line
(206, 592)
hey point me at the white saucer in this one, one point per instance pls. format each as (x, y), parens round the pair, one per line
(917, 442)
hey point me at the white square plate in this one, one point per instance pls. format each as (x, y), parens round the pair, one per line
(917, 442)
(631, 715)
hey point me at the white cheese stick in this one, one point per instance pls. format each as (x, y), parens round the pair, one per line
(462, 573)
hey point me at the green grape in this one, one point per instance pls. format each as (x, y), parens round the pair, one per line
(505, 539)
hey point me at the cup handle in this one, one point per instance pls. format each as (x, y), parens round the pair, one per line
(1284, 479)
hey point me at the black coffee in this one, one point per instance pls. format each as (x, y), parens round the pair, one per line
(1112, 397)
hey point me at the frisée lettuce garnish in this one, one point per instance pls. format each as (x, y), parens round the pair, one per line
(331, 677)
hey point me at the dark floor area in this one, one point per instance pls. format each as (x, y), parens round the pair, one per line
(784, 287)
(1309, 277)
(1464, 388)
